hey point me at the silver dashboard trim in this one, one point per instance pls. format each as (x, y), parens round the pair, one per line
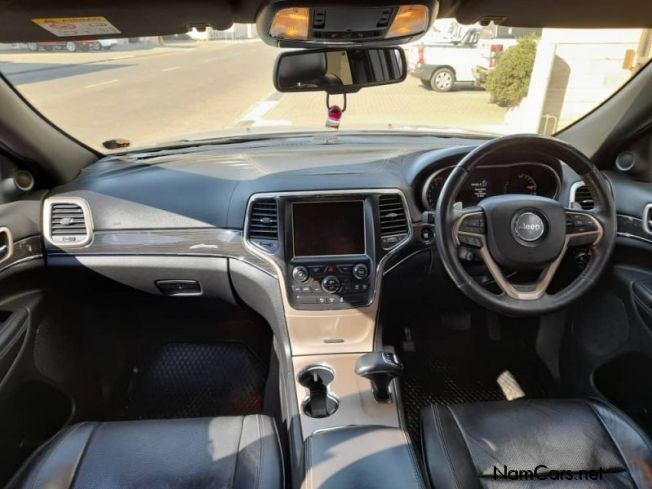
(47, 216)
(572, 192)
(328, 193)
(647, 218)
(10, 244)
(432, 176)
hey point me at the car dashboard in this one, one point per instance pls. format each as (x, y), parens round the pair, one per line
(327, 223)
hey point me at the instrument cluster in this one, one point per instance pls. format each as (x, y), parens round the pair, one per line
(487, 181)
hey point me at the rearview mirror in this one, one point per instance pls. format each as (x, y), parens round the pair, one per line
(337, 71)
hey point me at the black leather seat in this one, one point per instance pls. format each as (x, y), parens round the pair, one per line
(231, 452)
(464, 446)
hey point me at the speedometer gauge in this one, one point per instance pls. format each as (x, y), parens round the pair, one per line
(522, 184)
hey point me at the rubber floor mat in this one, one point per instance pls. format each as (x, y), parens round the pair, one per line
(194, 380)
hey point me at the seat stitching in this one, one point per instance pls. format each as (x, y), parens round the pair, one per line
(280, 451)
(237, 453)
(617, 447)
(415, 468)
(442, 440)
(625, 419)
(261, 452)
(307, 466)
(51, 450)
(81, 457)
(466, 445)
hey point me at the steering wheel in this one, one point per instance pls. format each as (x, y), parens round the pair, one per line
(524, 232)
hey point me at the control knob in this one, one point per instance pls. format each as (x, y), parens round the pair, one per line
(330, 284)
(300, 274)
(360, 271)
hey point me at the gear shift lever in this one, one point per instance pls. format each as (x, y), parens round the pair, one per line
(380, 368)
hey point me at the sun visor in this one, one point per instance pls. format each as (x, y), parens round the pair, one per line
(557, 13)
(44, 20)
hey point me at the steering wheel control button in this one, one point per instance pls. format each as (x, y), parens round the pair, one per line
(469, 240)
(474, 223)
(529, 227)
(330, 284)
(360, 271)
(300, 274)
(580, 223)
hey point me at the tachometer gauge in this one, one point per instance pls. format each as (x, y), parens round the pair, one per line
(434, 188)
(522, 184)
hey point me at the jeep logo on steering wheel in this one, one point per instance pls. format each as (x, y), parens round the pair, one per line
(529, 227)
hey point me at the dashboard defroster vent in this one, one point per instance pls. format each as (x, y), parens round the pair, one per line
(67, 222)
(393, 220)
(583, 197)
(263, 224)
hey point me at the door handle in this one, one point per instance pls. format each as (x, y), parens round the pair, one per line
(6, 244)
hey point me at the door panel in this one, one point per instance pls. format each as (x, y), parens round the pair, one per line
(607, 350)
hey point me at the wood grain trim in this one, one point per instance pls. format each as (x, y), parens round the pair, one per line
(24, 250)
(214, 242)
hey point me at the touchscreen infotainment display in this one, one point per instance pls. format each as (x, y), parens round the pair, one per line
(328, 228)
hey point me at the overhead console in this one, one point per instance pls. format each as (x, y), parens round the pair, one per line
(305, 24)
(328, 246)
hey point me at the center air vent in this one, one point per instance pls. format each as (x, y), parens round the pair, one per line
(582, 195)
(393, 220)
(68, 222)
(263, 224)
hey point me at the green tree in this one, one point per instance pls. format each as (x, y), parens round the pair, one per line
(509, 82)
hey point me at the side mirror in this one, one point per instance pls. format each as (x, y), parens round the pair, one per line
(337, 71)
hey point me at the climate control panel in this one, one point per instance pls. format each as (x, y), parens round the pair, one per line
(334, 284)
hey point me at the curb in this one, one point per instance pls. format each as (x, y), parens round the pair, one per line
(68, 65)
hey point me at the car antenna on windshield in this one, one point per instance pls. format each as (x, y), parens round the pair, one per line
(335, 112)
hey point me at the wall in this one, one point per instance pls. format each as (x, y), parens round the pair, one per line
(574, 71)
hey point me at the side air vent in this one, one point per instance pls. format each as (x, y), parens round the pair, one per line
(582, 196)
(67, 222)
(647, 219)
(393, 220)
(263, 224)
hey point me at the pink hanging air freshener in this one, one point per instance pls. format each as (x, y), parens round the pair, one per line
(334, 117)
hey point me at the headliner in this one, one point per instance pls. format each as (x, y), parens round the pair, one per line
(162, 17)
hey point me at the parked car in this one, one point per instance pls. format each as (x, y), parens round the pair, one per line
(72, 46)
(442, 65)
(489, 54)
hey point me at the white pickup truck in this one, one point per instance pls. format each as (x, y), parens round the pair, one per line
(442, 65)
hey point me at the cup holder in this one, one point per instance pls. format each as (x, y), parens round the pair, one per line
(319, 403)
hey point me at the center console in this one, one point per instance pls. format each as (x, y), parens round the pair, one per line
(328, 245)
(328, 250)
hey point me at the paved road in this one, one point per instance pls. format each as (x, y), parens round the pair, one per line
(164, 93)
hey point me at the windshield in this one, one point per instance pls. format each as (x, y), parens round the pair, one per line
(155, 91)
